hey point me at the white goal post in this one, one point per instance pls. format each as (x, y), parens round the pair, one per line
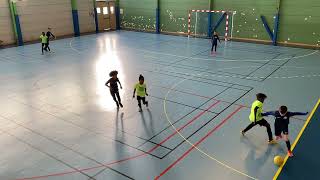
(227, 15)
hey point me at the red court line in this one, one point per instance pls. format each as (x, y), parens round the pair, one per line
(200, 141)
(181, 128)
(129, 158)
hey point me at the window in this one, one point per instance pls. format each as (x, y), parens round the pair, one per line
(98, 10)
(112, 9)
(105, 10)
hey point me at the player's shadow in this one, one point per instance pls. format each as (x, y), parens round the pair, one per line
(257, 155)
(120, 148)
(119, 125)
(149, 127)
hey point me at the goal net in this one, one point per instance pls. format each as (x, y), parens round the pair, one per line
(201, 23)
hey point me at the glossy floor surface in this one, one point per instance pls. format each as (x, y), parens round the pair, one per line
(58, 120)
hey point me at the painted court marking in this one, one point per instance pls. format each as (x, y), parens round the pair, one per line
(207, 59)
(194, 146)
(129, 158)
(242, 76)
(197, 143)
(229, 60)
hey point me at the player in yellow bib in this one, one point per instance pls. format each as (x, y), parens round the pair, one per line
(257, 118)
(44, 40)
(141, 89)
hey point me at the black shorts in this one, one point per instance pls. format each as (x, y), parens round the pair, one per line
(263, 122)
(141, 98)
(113, 91)
(281, 128)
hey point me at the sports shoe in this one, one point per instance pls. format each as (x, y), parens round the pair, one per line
(272, 141)
(290, 154)
(147, 104)
(278, 137)
(121, 105)
(140, 110)
(242, 132)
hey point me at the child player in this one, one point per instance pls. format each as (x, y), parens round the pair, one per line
(141, 89)
(281, 124)
(44, 40)
(114, 91)
(256, 117)
(49, 34)
(215, 39)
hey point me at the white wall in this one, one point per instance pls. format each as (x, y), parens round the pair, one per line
(6, 27)
(86, 18)
(37, 15)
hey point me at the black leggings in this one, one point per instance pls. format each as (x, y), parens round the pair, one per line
(43, 45)
(262, 122)
(47, 46)
(114, 94)
(215, 46)
(139, 98)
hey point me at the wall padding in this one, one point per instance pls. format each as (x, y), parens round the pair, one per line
(37, 15)
(6, 27)
(86, 16)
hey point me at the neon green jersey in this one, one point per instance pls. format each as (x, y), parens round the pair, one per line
(44, 38)
(140, 89)
(259, 111)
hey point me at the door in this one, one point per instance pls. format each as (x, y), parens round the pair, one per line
(106, 15)
(111, 5)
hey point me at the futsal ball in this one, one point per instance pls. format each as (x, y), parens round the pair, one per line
(278, 160)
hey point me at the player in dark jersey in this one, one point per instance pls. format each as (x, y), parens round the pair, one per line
(281, 124)
(113, 86)
(215, 39)
(49, 35)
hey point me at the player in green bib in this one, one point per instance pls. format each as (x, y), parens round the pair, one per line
(141, 89)
(44, 40)
(257, 118)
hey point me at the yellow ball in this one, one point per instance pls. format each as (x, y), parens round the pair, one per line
(278, 160)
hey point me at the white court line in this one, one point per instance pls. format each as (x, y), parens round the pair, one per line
(242, 76)
(221, 76)
(211, 59)
(230, 60)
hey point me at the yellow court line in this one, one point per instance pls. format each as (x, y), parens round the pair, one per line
(297, 139)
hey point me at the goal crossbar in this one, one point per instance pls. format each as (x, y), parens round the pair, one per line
(211, 11)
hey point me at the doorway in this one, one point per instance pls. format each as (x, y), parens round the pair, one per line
(106, 15)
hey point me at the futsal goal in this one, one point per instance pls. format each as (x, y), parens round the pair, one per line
(201, 23)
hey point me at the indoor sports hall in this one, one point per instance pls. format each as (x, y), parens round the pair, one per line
(159, 90)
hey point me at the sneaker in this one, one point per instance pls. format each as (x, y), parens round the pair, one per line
(272, 142)
(290, 154)
(242, 132)
(121, 105)
(147, 104)
(140, 110)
